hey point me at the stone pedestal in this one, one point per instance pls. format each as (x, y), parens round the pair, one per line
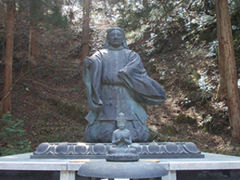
(211, 167)
(154, 150)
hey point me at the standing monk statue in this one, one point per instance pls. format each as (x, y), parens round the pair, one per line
(116, 81)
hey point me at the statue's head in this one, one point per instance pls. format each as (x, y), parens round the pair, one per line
(121, 121)
(115, 38)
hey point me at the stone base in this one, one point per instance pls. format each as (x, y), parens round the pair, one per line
(98, 151)
(212, 167)
(128, 157)
(122, 170)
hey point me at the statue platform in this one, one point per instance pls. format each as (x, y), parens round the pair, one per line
(154, 150)
(211, 167)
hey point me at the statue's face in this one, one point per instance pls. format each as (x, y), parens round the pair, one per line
(121, 124)
(115, 38)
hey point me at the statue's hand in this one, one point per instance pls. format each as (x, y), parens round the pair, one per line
(96, 106)
(100, 103)
(121, 71)
(99, 106)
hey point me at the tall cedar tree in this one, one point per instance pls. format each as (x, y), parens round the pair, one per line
(2, 20)
(228, 71)
(145, 2)
(10, 16)
(86, 29)
(222, 89)
(34, 16)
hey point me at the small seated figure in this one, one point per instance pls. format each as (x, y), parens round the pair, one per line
(121, 138)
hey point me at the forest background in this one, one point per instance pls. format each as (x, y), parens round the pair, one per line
(41, 90)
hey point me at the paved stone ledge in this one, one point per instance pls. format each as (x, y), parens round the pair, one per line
(67, 167)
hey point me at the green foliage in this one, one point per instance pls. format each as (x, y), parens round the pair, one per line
(12, 136)
(169, 130)
(159, 137)
(69, 109)
(185, 119)
(35, 7)
(216, 124)
(234, 6)
(236, 32)
(54, 15)
(47, 12)
(149, 28)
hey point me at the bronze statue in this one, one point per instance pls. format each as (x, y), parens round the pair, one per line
(121, 137)
(116, 81)
(121, 140)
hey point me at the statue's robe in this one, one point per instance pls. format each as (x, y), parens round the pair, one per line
(116, 81)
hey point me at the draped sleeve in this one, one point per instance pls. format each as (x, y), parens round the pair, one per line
(140, 85)
(92, 70)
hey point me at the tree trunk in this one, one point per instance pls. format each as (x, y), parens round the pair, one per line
(222, 89)
(2, 25)
(230, 67)
(34, 16)
(145, 2)
(2, 10)
(33, 50)
(6, 100)
(86, 29)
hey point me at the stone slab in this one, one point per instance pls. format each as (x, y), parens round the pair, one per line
(209, 175)
(29, 175)
(211, 163)
(24, 162)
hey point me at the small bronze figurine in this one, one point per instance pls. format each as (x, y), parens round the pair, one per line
(121, 139)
